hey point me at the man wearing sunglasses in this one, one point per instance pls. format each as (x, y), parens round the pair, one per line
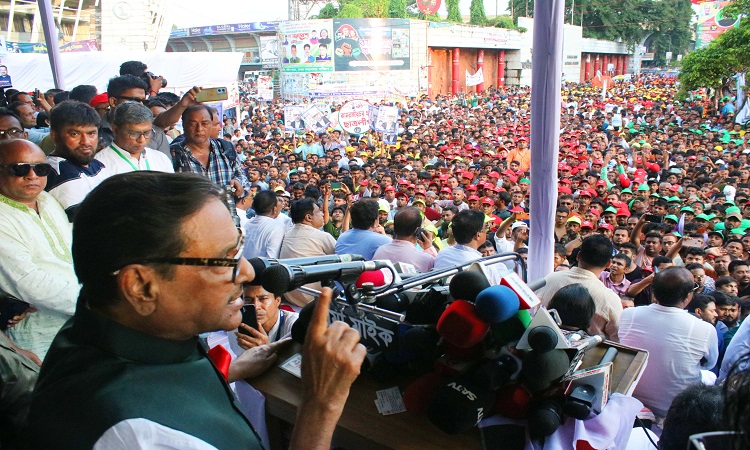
(129, 369)
(35, 241)
(75, 172)
(133, 128)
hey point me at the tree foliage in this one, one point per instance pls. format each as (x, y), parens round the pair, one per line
(713, 66)
(666, 23)
(454, 13)
(350, 11)
(327, 12)
(397, 9)
(477, 15)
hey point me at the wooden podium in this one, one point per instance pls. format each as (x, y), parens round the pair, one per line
(361, 427)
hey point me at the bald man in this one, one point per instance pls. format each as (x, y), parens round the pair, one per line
(35, 243)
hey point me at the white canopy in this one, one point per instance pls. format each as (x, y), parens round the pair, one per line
(30, 71)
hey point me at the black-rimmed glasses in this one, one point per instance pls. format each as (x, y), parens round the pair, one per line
(234, 263)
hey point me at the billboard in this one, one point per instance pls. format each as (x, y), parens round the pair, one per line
(306, 46)
(371, 44)
(712, 22)
(212, 30)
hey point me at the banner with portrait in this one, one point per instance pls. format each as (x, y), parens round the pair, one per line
(371, 44)
(315, 120)
(306, 46)
(354, 116)
(293, 118)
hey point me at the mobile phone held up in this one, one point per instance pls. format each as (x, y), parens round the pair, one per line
(335, 185)
(211, 95)
(653, 218)
(249, 318)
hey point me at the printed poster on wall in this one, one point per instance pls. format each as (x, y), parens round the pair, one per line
(371, 44)
(306, 46)
(265, 87)
(269, 52)
(387, 120)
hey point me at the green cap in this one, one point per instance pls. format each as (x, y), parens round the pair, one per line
(655, 195)
(644, 187)
(716, 232)
(737, 231)
(719, 226)
(524, 180)
(732, 209)
(674, 199)
(626, 191)
(729, 202)
(745, 223)
(611, 209)
(687, 209)
(672, 217)
(710, 216)
(702, 217)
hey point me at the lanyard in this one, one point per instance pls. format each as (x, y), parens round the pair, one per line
(148, 167)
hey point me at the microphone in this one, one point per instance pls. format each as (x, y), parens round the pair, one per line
(513, 401)
(261, 264)
(542, 369)
(418, 395)
(496, 304)
(537, 284)
(378, 278)
(458, 406)
(460, 326)
(493, 374)
(544, 419)
(284, 278)
(467, 285)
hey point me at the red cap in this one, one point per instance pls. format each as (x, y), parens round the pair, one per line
(468, 175)
(587, 224)
(390, 189)
(473, 198)
(601, 183)
(401, 194)
(100, 98)
(487, 201)
(494, 174)
(584, 193)
(445, 189)
(607, 226)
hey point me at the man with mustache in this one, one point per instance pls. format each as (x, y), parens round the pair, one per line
(75, 172)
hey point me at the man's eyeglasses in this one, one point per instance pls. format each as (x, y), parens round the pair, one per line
(234, 262)
(696, 286)
(12, 133)
(131, 99)
(135, 135)
(23, 169)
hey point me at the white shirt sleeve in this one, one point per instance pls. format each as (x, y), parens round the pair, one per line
(712, 356)
(143, 434)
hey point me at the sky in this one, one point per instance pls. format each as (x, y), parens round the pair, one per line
(192, 13)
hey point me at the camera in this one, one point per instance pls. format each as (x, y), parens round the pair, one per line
(148, 76)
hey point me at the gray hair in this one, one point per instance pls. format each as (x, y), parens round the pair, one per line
(128, 113)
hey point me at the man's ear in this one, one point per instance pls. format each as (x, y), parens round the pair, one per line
(138, 285)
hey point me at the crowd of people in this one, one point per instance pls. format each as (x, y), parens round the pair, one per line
(652, 222)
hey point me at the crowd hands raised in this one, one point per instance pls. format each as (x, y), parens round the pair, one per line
(647, 181)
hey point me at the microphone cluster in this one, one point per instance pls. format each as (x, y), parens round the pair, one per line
(480, 349)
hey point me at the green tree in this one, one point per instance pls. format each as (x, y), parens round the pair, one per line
(350, 11)
(477, 15)
(454, 13)
(397, 9)
(327, 12)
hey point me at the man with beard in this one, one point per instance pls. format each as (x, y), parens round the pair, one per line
(75, 172)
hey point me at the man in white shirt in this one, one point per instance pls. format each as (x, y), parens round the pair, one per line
(35, 240)
(469, 231)
(305, 239)
(263, 233)
(132, 126)
(679, 344)
(403, 247)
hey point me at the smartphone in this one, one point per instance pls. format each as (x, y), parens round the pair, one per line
(335, 185)
(10, 307)
(692, 242)
(249, 318)
(653, 218)
(211, 95)
(418, 233)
